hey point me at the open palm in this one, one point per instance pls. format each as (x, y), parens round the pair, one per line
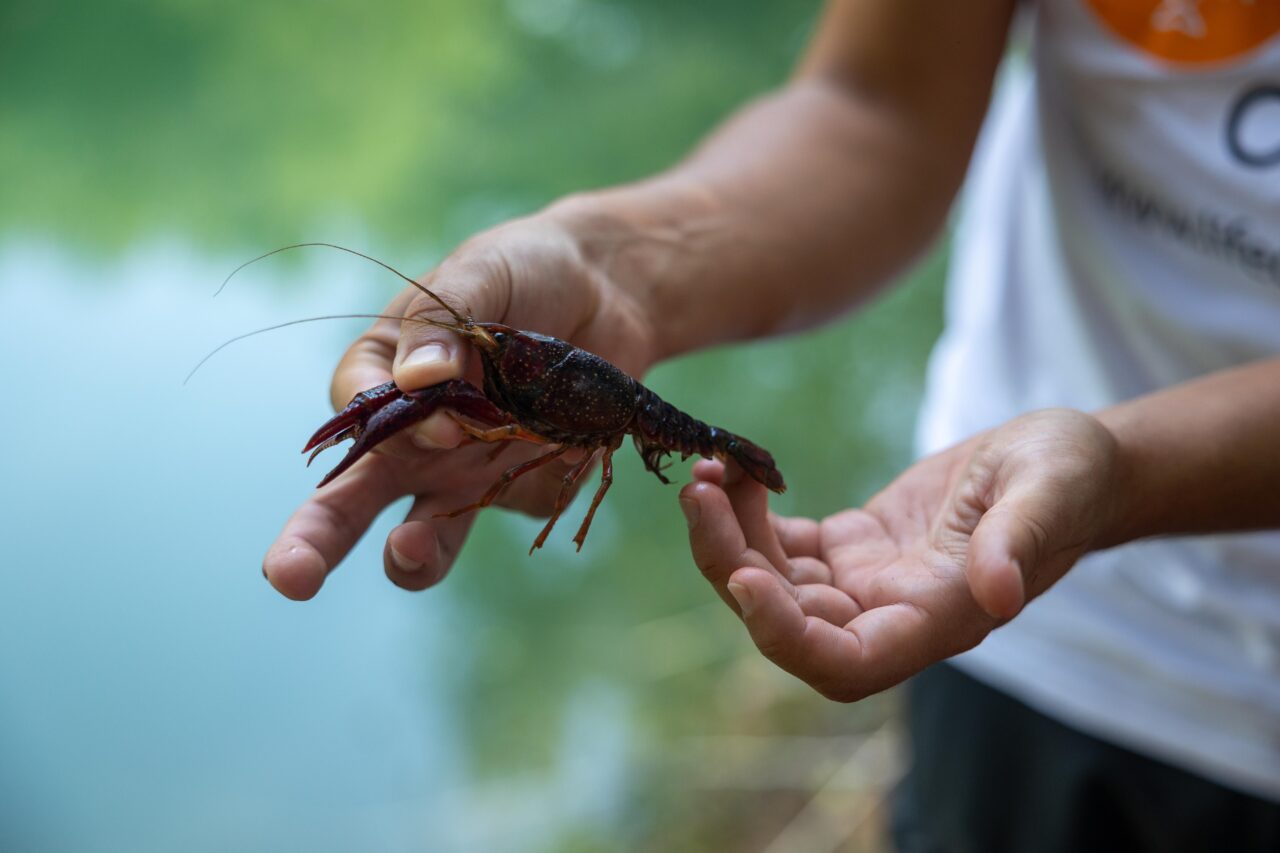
(867, 597)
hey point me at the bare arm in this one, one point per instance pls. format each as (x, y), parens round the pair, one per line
(1200, 457)
(807, 200)
(960, 542)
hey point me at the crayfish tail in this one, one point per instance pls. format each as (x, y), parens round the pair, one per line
(660, 428)
(752, 458)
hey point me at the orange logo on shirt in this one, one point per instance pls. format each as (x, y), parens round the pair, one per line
(1191, 30)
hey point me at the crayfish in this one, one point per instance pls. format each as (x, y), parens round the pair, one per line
(538, 389)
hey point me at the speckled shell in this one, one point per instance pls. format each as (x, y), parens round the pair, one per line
(558, 390)
(572, 396)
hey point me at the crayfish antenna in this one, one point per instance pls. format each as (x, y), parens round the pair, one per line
(464, 321)
(220, 347)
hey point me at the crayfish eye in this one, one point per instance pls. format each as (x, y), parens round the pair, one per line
(499, 337)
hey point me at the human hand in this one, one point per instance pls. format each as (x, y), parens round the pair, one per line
(953, 547)
(530, 274)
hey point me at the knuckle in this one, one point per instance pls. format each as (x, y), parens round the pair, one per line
(422, 305)
(710, 569)
(339, 518)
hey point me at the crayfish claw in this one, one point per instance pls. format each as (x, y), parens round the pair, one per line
(385, 422)
(349, 432)
(375, 415)
(354, 414)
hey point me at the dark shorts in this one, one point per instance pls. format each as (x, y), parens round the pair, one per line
(991, 775)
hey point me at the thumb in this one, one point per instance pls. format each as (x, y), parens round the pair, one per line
(427, 355)
(1004, 550)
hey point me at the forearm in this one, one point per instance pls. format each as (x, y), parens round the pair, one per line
(802, 204)
(1200, 457)
(807, 200)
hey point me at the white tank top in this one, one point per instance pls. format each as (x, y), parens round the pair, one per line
(1120, 232)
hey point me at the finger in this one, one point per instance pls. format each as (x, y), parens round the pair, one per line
(809, 647)
(709, 471)
(326, 527)
(420, 552)
(799, 537)
(874, 651)
(794, 536)
(437, 432)
(367, 362)
(716, 538)
(476, 286)
(534, 493)
(771, 613)
(750, 502)
(809, 570)
(901, 639)
(827, 603)
(1006, 543)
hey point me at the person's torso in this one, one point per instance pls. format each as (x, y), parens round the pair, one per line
(1121, 233)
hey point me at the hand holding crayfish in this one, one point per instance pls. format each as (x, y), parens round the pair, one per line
(536, 388)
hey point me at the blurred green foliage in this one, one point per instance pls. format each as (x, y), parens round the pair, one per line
(263, 123)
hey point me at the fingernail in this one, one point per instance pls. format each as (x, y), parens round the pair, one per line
(427, 354)
(742, 595)
(692, 512)
(403, 563)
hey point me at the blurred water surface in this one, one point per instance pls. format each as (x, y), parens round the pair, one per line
(155, 694)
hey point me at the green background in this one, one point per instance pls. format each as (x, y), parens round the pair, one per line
(402, 128)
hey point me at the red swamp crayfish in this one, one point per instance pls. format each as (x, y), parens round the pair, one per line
(537, 389)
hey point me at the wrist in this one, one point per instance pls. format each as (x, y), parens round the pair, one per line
(1128, 499)
(645, 243)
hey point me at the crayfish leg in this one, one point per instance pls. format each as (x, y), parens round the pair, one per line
(502, 482)
(652, 455)
(606, 480)
(506, 432)
(562, 499)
